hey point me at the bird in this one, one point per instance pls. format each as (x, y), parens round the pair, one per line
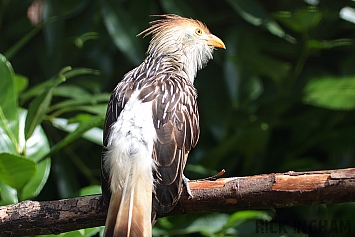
(151, 125)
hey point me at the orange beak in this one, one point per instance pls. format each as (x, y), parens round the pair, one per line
(215, 42)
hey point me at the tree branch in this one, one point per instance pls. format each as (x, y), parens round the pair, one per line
(226, 194)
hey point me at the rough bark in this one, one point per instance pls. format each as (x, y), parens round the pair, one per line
(267, 191)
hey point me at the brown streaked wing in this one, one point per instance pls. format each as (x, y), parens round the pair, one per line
(175, 118)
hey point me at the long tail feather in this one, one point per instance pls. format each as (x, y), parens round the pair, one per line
(129, 213)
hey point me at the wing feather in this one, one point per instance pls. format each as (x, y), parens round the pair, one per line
(175, 117)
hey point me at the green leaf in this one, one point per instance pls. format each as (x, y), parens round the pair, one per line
(329, 44)
(94, 134)
(8, 195)
(39, 106)
(77, 133)
(240, 217)
(36, 146)
(38, 89)
(79, 72)
(35, 185)
(207, 225)
(337, 93)
(90, 190)
(21, 82)
(71, 91)
(300, 20)
(16, 170)
(36, 111)
(62, 76)
(83, 100)
(81, 40)
(8, 112)
(77, 233)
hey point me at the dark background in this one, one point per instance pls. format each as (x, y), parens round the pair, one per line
(280, 97)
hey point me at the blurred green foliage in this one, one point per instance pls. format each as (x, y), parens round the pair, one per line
(281, 97)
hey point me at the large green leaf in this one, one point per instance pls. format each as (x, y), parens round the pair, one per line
(16, 170)
(336, 93)
(8, 112)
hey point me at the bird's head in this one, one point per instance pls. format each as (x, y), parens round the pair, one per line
(182, 41)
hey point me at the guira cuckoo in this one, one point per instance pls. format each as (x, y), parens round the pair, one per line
(152, 122)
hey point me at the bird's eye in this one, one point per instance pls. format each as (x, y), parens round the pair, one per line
(198, 31)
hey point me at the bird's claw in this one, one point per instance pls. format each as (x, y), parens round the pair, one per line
(186, 183)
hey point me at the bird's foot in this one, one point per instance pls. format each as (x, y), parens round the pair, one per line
(186, 183)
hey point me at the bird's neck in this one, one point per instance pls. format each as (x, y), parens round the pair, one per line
(173, 62)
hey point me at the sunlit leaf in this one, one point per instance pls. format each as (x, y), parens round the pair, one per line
(8, 195)
(90, 190)
(8, 108)
(77, 133)
(21, 82)
(94, 134)
(78, 233)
